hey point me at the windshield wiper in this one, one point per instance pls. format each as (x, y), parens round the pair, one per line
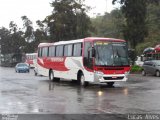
(119, 57)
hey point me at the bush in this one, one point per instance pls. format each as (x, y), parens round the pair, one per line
(136, 68)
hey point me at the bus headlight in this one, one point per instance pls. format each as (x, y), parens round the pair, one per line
(99, 73)
(126, 73)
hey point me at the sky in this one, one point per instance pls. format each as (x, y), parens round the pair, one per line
(12, 10)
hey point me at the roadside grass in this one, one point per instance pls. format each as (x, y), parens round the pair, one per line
(136, 69)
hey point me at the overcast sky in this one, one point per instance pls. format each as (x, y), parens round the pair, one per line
(12, 10)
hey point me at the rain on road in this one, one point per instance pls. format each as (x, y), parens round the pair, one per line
(26, 93)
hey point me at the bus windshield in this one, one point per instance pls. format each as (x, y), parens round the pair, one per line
(111, 53)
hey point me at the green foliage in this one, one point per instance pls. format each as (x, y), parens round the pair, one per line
(68, 20)
(28, 28)
(135, 13)
(153, 23)
(136, 68)
(5, 40)
(109, 25)
(133, 21)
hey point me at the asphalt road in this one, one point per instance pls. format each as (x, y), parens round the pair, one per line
(24, 93)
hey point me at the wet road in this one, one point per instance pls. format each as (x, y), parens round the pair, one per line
(26, 93)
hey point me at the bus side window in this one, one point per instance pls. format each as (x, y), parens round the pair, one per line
(44, 51)
(68, 50)
(77, 49)
(40, 52)
(88, 60)
(51, 51)
(59, 50)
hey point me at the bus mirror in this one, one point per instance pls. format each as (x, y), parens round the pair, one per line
(93, 52)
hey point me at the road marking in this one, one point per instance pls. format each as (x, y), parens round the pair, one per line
(103, 111)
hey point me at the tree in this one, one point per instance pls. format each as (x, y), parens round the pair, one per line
(28, 35)
(68, 20)
(153, 22)
(28, 28)
(135, 13)
(40, 34)
(109, 25)
(16, 38)
(5, 40)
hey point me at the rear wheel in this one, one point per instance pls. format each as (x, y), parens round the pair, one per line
(110, 84)
(157, 73)
(81, 80)
(51, 75)
(35, 73)
(143, 73)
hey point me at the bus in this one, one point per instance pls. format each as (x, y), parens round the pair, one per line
(30, 57)
(88, 60)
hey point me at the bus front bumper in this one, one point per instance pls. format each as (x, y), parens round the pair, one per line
(103, 78)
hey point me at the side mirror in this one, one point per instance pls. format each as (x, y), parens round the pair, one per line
(93, 52)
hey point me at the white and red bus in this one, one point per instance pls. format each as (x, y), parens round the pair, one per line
(30, 57)
(88, 60)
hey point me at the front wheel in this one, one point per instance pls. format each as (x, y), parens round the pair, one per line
(110, 84)
(82, 81)
(143, 73)
(157, 73)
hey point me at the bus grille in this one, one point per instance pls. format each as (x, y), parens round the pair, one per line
(114, 68)
(113, 78)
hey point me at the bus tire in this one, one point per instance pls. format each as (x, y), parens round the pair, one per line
(110, 84)
(157, 73)
(35, 73)
(81, 80)
(143, 73)
(51, 75)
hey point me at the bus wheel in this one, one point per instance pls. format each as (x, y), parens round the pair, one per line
(110, 84)
(157, 73)
(35, 73)
(51, 75)
(143, 73)
(82, 81)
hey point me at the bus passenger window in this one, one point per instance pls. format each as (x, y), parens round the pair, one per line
(77, 49)
(44, 51)
(59, 51)
(51, 51)
(40, 52)
(68, 50)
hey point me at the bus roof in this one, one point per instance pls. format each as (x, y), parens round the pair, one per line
(31, 53)
(68, 42)
(45, 44)
(102, 38)
(81, 40)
